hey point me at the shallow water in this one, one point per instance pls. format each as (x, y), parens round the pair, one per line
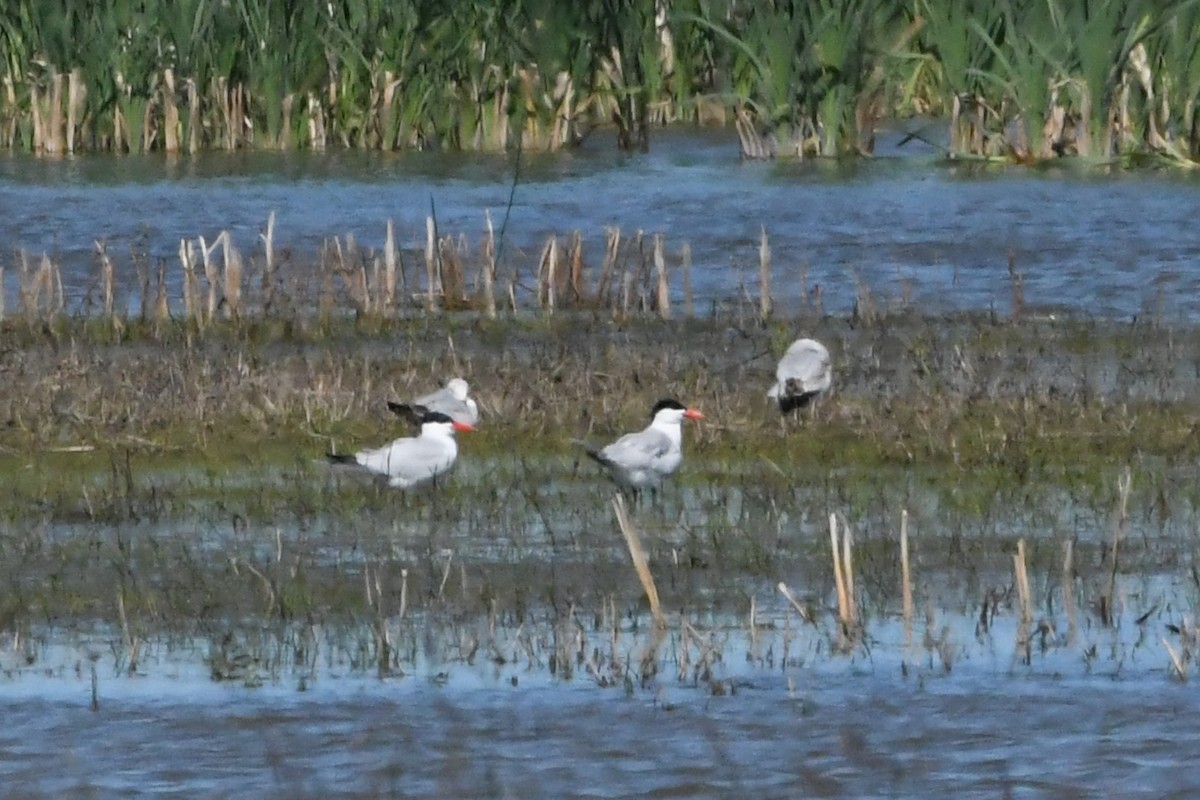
(299, 709)
(793, 719)
(906, 226)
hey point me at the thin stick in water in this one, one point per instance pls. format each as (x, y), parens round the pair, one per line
(640, 563)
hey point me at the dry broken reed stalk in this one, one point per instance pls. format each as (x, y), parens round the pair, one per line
(791, 598)
(1177, 663)
(663, 293)
(765, 305)
(1016, 281)
(393, 269)
(489, 269)
(431, 265)
(685, 258)
(547, 275)
(906, 581)
(1068, 591)
(269, 264)
(843, 574)
(1021, 578)
(640, 563)
(1120, 523)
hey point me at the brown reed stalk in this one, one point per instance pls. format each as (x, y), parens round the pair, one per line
(906, 581)
(167, 97)
(268, 277)
(1068, 590)
(608, 270)
(450, 259)
(210, 274)
(193, 100)
(403, 593)
(1024, 629)
(848, 573)
(45, 288)
(1021, 574)
(765, 305)
(232, 278)
(3, 295)
(56, 140)
(1016, 280)
(1120, 523)
(376, 301)
(187, 258)
(60, 301)
(839, 577)
(575, 259)
(326, 300)
(389, 270)
(1176, 661)
(489, 269)
(548, 274)
(25, 289)
(663, 295)
(161, 306)
(640, 563)
(431, 267)
(791, 598)
(106, 278)
(76, 96)
(642, 276)
(689, 307)
(753, 631)
(142, 270)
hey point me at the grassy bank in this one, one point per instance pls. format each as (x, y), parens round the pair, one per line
(1019, 79)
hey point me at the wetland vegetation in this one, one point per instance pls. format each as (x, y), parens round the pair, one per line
(1023, 80)
(170, 481)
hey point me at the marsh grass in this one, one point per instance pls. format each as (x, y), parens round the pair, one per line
(185, 472)
(1019, 80)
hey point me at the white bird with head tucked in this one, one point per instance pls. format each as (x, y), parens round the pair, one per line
(803, 374)
(412, 460)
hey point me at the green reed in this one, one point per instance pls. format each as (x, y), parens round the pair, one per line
(1102, 79)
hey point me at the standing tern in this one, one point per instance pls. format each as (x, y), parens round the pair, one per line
(803, 374)
(409, 461)
(451, 400)
(645, 458)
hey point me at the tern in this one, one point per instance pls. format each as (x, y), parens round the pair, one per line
(453, 400)
(644, 459)
(412, 460)
(803, 374)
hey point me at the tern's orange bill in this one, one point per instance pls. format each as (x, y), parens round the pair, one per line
(692, 413)
(465, 427)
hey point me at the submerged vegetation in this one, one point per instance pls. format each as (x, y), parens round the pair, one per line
(1020, 79)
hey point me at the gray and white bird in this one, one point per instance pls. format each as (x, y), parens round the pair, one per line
(453, 400)
(412, 460)
(803, 374)
(644, 459)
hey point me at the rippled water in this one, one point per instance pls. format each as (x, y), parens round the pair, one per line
(902, 224)
(1101, 717)
(794, 720)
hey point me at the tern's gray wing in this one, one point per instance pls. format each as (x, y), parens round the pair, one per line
(443, 401)
(641, 450)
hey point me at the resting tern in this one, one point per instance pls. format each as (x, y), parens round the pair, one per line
(645, 458)
(412, 460)
(802, 375)
(451, 400)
